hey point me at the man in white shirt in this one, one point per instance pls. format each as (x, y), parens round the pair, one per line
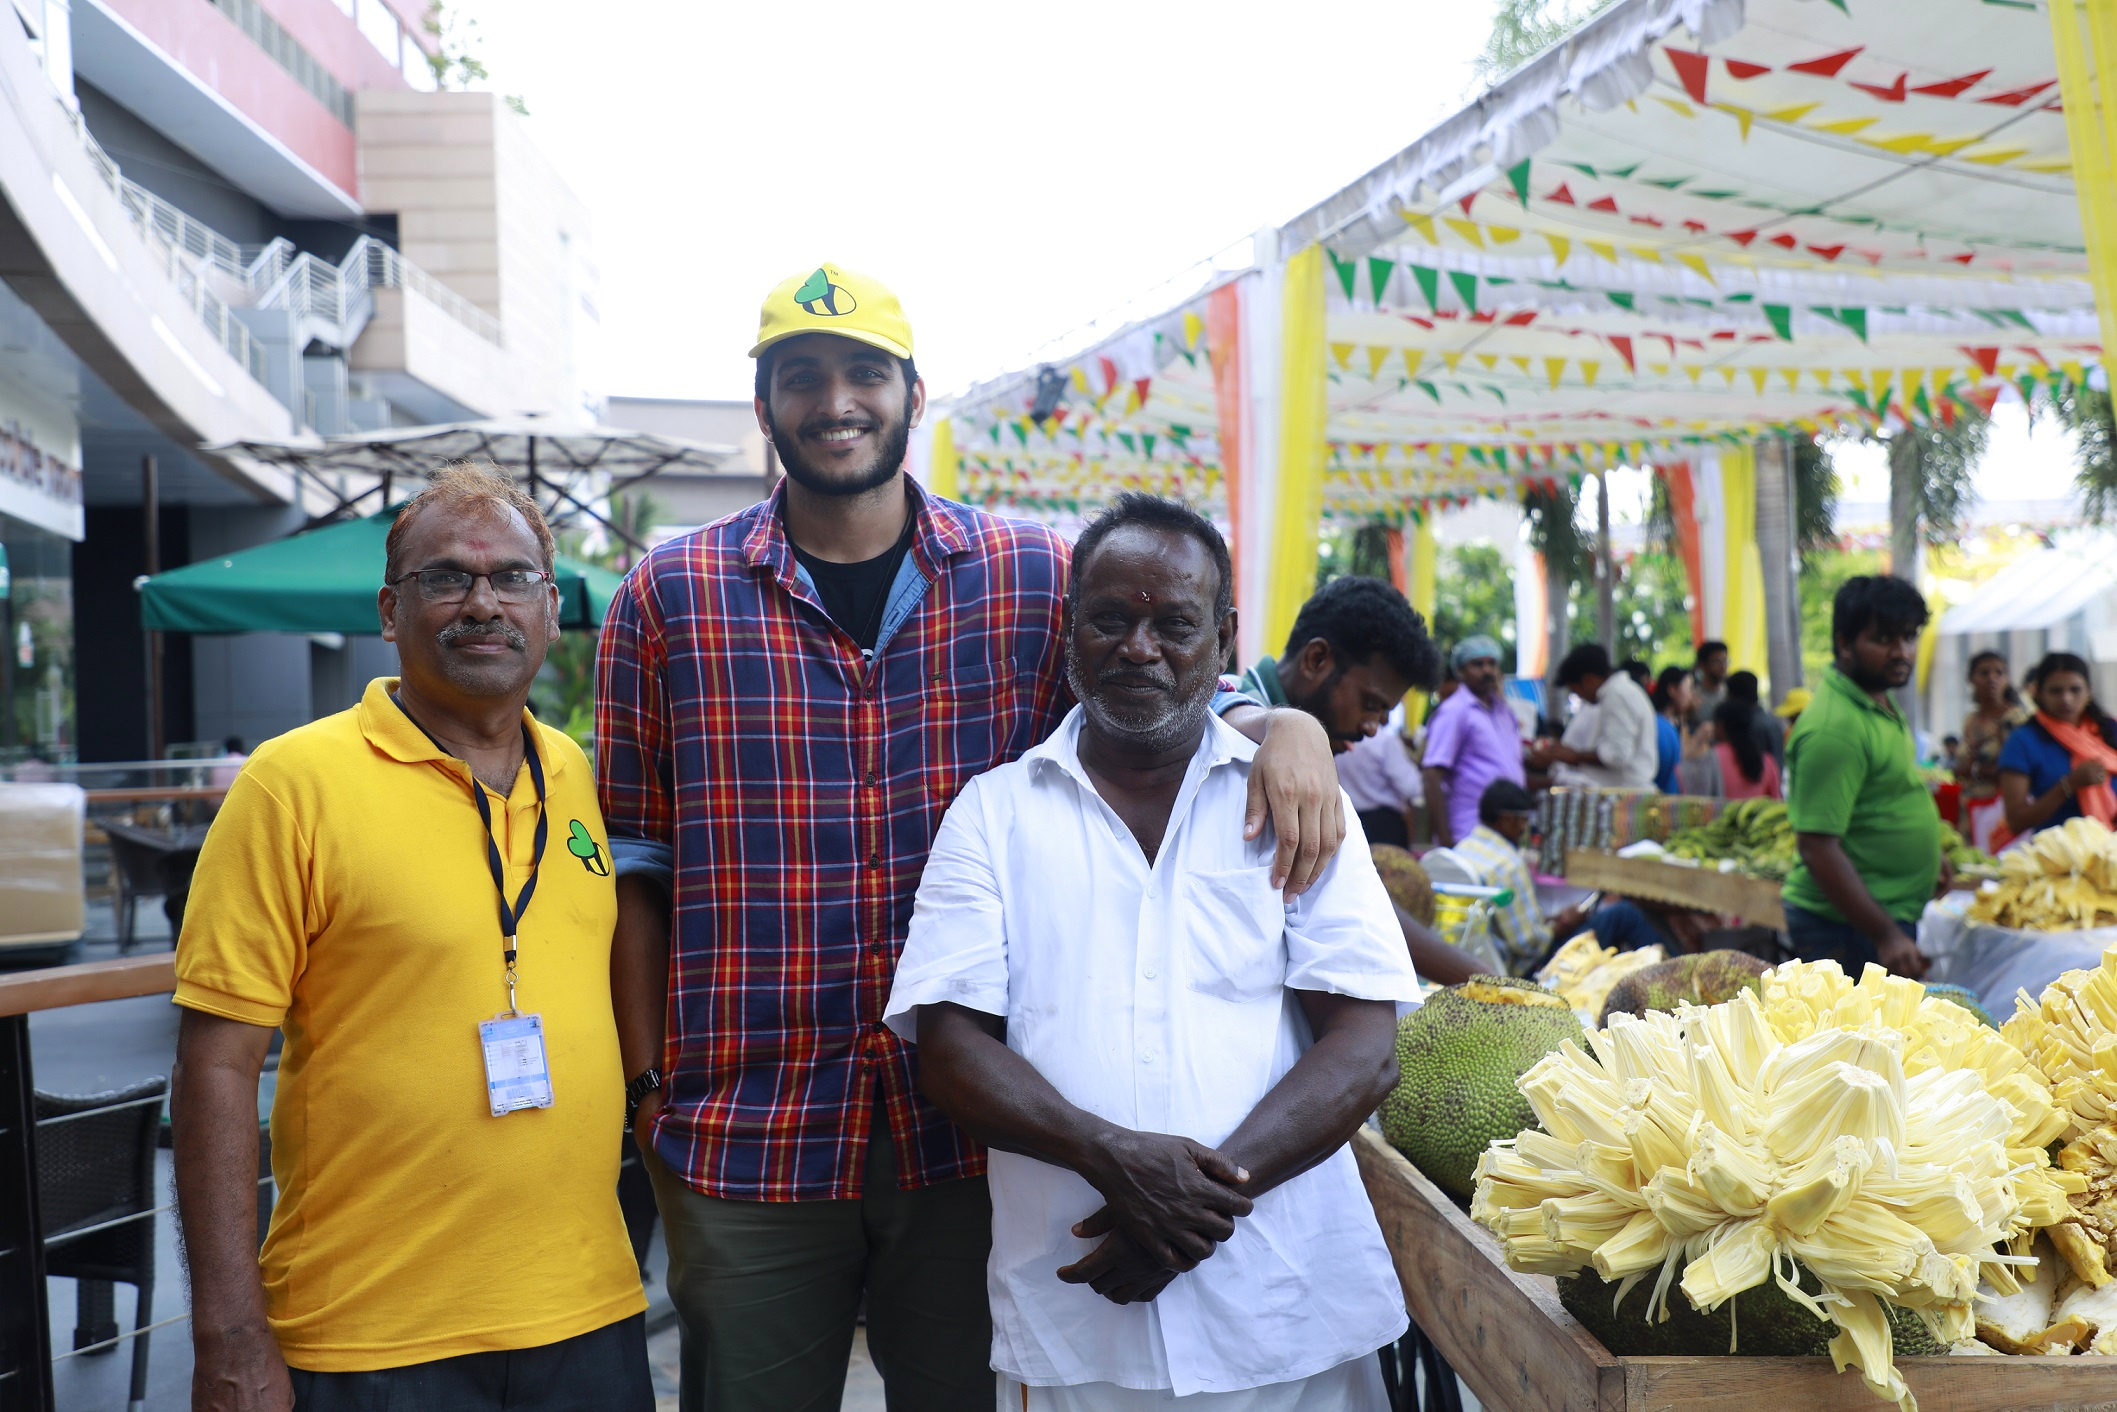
(1165, 1056)
(1620, 747)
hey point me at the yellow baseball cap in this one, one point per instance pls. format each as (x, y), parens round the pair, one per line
(829, 299)
(1797, 701)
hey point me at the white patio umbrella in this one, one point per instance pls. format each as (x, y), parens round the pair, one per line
(555, 458)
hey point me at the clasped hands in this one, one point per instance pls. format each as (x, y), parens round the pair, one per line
(1170, 1202)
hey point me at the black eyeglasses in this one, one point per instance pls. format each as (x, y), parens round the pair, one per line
(454, 585)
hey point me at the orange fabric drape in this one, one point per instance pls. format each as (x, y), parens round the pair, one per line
(1395, 540)
(1683, 508)
(1225, 352)
(2098, 801)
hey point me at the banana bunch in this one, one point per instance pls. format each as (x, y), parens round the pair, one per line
(1752, 833)
(2063, 879)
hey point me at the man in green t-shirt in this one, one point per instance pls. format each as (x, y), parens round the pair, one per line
(1865, 822)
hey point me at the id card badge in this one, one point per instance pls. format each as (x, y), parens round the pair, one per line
(517, 1075)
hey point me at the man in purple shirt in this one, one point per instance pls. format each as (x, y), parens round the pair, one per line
(1472, 740)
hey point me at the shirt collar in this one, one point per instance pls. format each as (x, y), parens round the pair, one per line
(1266, 675)
(1849, 689)
(1060, 750)
(386, 726)
(943, 531)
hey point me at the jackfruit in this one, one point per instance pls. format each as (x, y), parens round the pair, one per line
(2095, 1310)
(1760, 1322)
(2063, 879)
(1404, 878)
(1842, 1129)
(2025, 1322)
(1965, 997)
(1458, 1056)
(1706, 978)
(2071, 1035)
(1584, 970)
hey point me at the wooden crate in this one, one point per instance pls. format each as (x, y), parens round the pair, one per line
(1752, 899)
(1520, 1351)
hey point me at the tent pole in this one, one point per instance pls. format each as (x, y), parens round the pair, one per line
(151, 505)
(532, 468)
(1605, 568)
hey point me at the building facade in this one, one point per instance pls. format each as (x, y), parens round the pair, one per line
(230, 220)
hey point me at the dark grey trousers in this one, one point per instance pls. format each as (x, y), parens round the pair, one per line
(604, 1370)
(767, 1293)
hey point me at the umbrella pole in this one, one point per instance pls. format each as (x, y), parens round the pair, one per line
(151, 503)
(532, 468)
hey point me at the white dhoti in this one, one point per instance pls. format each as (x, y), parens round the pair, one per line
(1355, 1386)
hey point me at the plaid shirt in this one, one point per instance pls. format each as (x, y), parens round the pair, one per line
(795, 790)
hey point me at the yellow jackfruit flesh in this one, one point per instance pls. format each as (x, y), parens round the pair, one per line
(1855, 1131)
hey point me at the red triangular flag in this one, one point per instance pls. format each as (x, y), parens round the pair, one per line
(1465, 203)
(1563, 196)
(1140, 385)
(1742, 68)
(1987, 359)
(2014, 98)
(1691, 68)
(1964, 259)
(1952, 88)
(1604, 203)
(1784, 241)
(1623, 346)
(1828, 65)
(1742, 237)
(1894, 93)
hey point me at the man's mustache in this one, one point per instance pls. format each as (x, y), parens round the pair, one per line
(1153, 679)
(463, 632)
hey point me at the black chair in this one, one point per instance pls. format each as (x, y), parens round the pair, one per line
(95, 1167)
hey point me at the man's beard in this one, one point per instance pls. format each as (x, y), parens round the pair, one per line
(1150, 728)
(1874, 681)
(1317, 703)
(895, 437)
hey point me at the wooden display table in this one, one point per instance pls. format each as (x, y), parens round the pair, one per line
(1754, 900)
(1518, 1349)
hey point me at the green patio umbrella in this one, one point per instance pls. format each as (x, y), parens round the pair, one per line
(322, 580)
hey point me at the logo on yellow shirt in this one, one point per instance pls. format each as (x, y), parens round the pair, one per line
(582, 845)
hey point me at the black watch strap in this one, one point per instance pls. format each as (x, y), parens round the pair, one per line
(648, 1081)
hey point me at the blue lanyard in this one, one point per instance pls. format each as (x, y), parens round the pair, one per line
(510, 917)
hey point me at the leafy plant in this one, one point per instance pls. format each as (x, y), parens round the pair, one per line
(2087, 414)
(455, 60)
(565, 688)
(1522, 29)
(1474, 593)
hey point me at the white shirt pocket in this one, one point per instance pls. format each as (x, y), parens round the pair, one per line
(1234, 934)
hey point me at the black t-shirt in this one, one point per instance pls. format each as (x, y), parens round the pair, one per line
(855, 594)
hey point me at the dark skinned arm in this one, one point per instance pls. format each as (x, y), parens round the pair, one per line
(1436, 782)
(2025, 812)
(1173, 1197)
(1295, 783)
(1309, 1114)
(1434, 959)
(639, 987)
(236, 1363)
(1824, 856)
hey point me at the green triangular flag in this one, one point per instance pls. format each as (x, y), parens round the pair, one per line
(2016, 316)
(1146, 439)
(1130, 444)
(1496, 393)
(1379, 269)
(1021, 433)
(1624, 299)
(1429, 284)
(1918, 400)
(1782, 320)
(1465, 288)
(1429, 389)
(1347, 271)
(1518, 178)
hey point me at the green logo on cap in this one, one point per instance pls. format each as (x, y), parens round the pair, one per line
(818, 295)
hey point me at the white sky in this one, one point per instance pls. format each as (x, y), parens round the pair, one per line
(1011, 170)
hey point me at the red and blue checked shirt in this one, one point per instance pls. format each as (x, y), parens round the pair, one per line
(794, 790)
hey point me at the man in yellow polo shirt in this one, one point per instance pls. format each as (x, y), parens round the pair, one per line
(418, 892)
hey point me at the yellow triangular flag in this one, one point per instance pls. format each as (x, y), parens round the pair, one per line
(1343, 353)
(1691, 371)
(1757, 377)
(1192, 327)
(1488, 359)
(1468, 230)
(1998, 157)
(1695, 263)
(1914, 379)
(1822, 377)
(1412, 358)
(1881, 381)
(1451, 359)
(2075, 374)
(1588, 371)
(1845, 127)
(1503, 235)
(1645, 252)
(1554, 368)
(1729, 374)
(1560, 247)
(1376, 357)
(1604, 249)
(1519, 361)
(1660, 370)
(1080, 378)
(1423, 225)
(1742, 117)
(1790, 115)
(1677, 105)
(1793, 378)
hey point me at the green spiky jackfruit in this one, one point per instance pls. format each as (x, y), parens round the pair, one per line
(1968, 999)
(1766, 1323)
(1458, 1056)
(1705, 978)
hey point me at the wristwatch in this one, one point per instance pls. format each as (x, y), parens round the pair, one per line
(648, 1081)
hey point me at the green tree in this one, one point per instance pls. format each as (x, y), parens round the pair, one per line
(2087, 414)
(1474, 593)
(1522, 29)
(1823, 573)
(565, 688)
(1653, 609)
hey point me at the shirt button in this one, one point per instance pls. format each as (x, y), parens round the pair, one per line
(870, 778)
(1146, 1058)
(1154, 889)
(1150, 973)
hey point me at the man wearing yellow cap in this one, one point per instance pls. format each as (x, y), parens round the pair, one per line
(789, 700)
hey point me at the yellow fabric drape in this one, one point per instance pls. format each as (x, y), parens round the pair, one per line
(1423, 589)
(2086, 60)
(1742, 614)
(942, 475)
(1298, 503)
